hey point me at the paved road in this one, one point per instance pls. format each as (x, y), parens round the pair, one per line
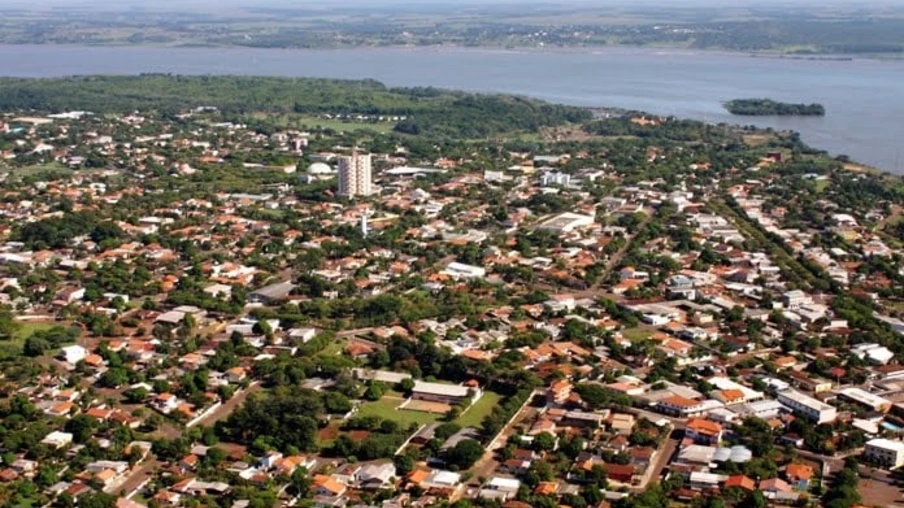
(141, 475)
(487, 465)
(620, 253)
(230, 405)
(663, 457)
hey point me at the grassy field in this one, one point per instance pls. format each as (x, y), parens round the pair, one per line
(53, 167)
(24, 330)
(312, 122)
(475, 414)
(387, 408)
(334, 348)
(636, 334)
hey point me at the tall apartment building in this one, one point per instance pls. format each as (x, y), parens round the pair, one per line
(355, 176)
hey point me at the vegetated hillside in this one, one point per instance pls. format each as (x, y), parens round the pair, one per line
(769, 107)
(429, 111)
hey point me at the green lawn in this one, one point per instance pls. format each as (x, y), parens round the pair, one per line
(387, 408)
(347, 126)
(822, 185)
(636, 334)
(334, 348)
(475, 414)
(13, 347)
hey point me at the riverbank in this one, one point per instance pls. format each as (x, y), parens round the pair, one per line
(672, 82)
(537, 49)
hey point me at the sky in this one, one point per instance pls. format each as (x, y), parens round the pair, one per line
(176, 4)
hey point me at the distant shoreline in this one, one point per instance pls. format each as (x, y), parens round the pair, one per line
(764, 54)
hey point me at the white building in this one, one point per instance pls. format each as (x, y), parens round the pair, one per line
(865, 398)
(566, 222)
(355, 176)
(885, 452)
(807, 406)
(874, 353)
(57, 439)
(796, 299)
(73, 354)
(555, 179)
(459, 271)
(764, 409)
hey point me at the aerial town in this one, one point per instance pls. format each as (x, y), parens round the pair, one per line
(203, 311)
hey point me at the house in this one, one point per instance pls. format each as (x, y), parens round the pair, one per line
(440, 481)
(741, 482)
(73, 354)
(582, 419)
(166, 403)
(57, 439)
(799, 475)
(327, 486)
(168, 498)
(703, 431)
(677, 405)
(236, 375)
(500, 488)
(288, 465)
(559, 391)
(705, 481)
(189, 462)
(269, 460)
(621, 423)
(359, 350)
(775, 486)
(623, 473)
(376, 476)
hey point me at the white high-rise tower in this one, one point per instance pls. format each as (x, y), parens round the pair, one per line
(355, 175)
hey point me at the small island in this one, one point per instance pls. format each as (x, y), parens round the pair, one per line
(769, 107)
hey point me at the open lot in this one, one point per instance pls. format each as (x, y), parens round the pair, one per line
(479, 410)
(426, 412)
(876, 493)
(388, 408)
(427, 407)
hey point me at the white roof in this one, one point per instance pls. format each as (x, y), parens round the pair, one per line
(886, 444)
(446, 478)
(865, 397)
(724, 383)
(441, 389)
(57, 436)
(505, 483)
(715, 479)
(805, 400)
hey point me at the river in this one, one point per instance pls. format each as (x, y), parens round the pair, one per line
(864, 98)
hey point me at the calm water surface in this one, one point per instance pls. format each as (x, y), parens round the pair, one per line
(864, 99)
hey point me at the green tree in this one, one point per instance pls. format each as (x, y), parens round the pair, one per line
(465, 453)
